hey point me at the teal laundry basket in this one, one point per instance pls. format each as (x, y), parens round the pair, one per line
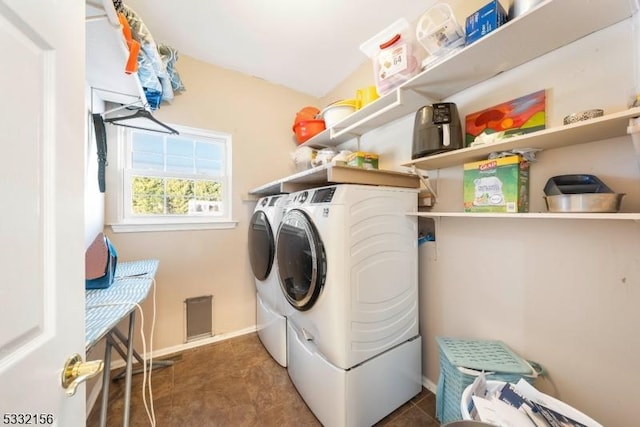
(462, 360)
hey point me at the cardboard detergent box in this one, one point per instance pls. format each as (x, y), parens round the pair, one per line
(497, 185)
(361, 159)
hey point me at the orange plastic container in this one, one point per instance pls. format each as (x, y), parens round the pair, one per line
(306, 129)
(307, 113)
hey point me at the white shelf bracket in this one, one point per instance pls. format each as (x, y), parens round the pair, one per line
(425, 181)
(634, 131)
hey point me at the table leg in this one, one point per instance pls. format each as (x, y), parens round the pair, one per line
(127, 386)
(123, 339)
(115, 333)
(105, 384)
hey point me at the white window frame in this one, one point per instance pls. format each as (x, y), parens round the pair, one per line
(127, 222)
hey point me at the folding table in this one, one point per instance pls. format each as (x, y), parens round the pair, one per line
(105, 309)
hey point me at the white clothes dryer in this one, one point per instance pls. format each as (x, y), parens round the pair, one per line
(347, 258)
(270, 323)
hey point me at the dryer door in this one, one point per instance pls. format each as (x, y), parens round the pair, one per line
(262, 246)
(302, 263)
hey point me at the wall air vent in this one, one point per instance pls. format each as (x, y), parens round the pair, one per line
(198, 317)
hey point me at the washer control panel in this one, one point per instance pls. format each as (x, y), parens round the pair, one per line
(324, 195)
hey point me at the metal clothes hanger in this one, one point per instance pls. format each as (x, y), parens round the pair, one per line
(138, 119)
(140, 115)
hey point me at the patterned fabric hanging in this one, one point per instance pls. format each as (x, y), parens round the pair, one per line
(117, 4)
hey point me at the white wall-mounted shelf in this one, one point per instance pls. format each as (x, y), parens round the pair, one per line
(600, 128)
(383, 110)
(332, 174)
(531, 215)
(513, 44)
(106, 57)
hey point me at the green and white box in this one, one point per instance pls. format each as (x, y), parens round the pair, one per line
(497, 185)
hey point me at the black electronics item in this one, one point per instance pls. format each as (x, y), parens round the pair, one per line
(436, 129)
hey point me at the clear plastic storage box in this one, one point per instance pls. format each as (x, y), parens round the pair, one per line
(395, 54)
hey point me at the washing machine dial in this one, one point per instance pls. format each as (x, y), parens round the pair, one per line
(302, 197)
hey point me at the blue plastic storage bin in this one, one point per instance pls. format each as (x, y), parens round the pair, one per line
(462, 360)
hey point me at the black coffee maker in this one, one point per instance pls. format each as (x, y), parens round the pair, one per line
(436, 130)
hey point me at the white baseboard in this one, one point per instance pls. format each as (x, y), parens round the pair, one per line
(429, 385)
(186, 346)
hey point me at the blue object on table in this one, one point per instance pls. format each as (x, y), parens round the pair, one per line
(105, 280)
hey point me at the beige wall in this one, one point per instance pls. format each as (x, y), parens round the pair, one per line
(563, 293)
(361, 77)
(259, 116)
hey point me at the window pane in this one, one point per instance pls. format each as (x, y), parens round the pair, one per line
(208, 190)
(178, 205)
(179, 147)
(147, 195)
(179, 192)
(147, 152)
(208, 150)
(176, 186)
(147, 205)
(204, 207)
(179, 164)
(208, 167)
(149, 161)
(147, 142)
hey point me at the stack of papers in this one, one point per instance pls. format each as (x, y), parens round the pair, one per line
(520, 405)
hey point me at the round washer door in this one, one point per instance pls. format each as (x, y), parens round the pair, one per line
(302, 264)
(262, 246)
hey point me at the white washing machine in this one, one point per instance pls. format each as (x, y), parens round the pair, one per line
(270, 322)
(347, 259)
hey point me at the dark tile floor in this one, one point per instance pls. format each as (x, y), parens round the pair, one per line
(233, 383)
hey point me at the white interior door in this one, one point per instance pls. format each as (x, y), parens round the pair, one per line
(42, 118)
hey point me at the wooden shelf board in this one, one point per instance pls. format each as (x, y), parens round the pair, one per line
(608, 126)
(332, 174)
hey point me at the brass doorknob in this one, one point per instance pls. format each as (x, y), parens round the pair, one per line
(75, 372)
